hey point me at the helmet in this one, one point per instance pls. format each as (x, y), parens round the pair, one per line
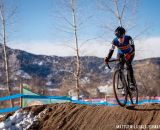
(119, 32)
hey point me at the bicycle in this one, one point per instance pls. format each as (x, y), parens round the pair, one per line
(121, 82)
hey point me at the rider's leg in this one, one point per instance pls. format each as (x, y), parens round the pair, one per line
(130, 70)
(121, 65)
(122, 61)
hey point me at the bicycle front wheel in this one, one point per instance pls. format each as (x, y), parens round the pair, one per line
(119, 88)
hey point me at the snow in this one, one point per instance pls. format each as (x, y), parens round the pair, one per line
(15, 78)
(3, 88)
(19, 72)
(2, 116)
(107, 70)
(54, 61)
(16, 88)
(21, 120)
(49, 83)
(40, 63)
(26, 76)
(23, 74)
(53, 89)
(85, 80)
(18, 121)
(107, 89)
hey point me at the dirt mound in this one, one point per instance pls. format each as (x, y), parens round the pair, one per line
(69, 116)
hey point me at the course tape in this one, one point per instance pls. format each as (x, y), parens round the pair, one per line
(148, 101)
(5, 110)
(93, 103)
(47, 97)
(11, 97)
(34, 96)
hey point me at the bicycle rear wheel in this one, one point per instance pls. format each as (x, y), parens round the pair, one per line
(119, 85)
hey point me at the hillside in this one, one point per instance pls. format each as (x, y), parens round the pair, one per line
(68, 116)
(53, 74)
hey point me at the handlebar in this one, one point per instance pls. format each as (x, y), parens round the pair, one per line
(114, 60)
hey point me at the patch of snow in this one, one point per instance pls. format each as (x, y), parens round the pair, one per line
(54, 61)
(3, 88)
(49, 83)
(15, 78)
(16, 88)
(23, 74)
(53, 89)
(40, 63)
(18, 121)
(101, 66)
(49, 76)
(2, 116)
(107, 89)
(26, 76)
(35, 62)
(85, 80)
(107, 70)
(19, 72)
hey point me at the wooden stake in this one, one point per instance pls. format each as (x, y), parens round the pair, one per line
(21, 92)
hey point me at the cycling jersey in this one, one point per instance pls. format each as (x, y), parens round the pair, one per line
(125, 47)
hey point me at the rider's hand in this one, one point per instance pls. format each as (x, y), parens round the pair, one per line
(127, 56)
(106, 60)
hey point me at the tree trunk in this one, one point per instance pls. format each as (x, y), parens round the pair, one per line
(6, 59)
(76, 46)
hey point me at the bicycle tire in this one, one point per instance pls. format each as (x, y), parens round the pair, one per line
(115, 86)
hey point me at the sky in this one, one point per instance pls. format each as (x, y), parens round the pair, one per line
(39, 29)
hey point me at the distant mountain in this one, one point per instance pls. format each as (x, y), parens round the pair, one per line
(55, 73)
(147, 73)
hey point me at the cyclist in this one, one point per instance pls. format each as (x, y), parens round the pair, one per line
(126, 50)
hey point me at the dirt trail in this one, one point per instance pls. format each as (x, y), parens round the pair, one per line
(68, 116)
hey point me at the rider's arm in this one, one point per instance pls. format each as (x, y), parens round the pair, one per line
(131, 42)
(111, 51)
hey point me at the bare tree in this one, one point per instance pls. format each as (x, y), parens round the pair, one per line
(5, 15)
(74, 25)
(71, 27)
(122, 12)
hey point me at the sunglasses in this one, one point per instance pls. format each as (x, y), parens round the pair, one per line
(120, 36)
